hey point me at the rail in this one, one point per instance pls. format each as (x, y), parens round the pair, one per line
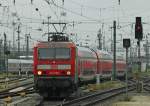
(97, 97)
(12, 92)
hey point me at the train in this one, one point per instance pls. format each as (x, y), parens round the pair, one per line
(60, 67)
(22, 64)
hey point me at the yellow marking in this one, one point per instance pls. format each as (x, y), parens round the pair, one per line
(8, 99)
(22, 94)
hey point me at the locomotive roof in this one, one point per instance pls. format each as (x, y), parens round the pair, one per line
(55, 44)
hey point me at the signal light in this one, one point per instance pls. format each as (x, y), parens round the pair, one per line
(138, 29)
(138, 43)
(7, 52)
(126, 43)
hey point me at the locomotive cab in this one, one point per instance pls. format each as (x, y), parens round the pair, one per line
(54, 67)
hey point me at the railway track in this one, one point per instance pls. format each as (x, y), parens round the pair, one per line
(90, 99)
(15, 91)
(17, 94)
(11, 79)
(97, 97)
(85, 100)
(13, 88)
(69, 101)
(146, 87)
(144, 83)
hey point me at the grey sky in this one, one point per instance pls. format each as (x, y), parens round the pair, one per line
(88, 15)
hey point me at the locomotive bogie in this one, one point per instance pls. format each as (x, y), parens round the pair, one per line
(55, 86)
(58, 82)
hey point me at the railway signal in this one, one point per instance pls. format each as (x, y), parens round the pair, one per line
(119, 2)
(14, 1)
(138, 36)
(138, 29)
(7, 52)
(126, 44)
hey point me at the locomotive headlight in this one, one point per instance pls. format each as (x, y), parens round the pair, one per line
(43, 67)
(39, 72)
(64, 67)
(68, 73)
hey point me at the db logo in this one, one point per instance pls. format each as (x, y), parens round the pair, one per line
(53, 62)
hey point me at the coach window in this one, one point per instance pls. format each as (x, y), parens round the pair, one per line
(103, 56)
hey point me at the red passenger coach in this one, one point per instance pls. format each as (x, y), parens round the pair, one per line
(121, 66)
(87, 64)
(104, 63)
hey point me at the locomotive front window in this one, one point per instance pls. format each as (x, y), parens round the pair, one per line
(54, 53)
(62, 53)
(46, 53)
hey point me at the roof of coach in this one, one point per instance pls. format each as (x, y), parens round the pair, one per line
(54, 44)
(120, 58)
(86, 52)
(103, 54)
(24, 57)
(19, 61)
(106, 55)
(83, 48)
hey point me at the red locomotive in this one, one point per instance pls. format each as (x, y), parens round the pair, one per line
(60, 66)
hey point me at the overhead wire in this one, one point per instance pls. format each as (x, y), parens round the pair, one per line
(52, 9)
(70, 10)
(66, 10)
(55, 5)
(88, 6)
(73, 12)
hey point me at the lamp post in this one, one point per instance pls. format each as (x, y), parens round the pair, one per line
(0, 54)
(114, 52)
